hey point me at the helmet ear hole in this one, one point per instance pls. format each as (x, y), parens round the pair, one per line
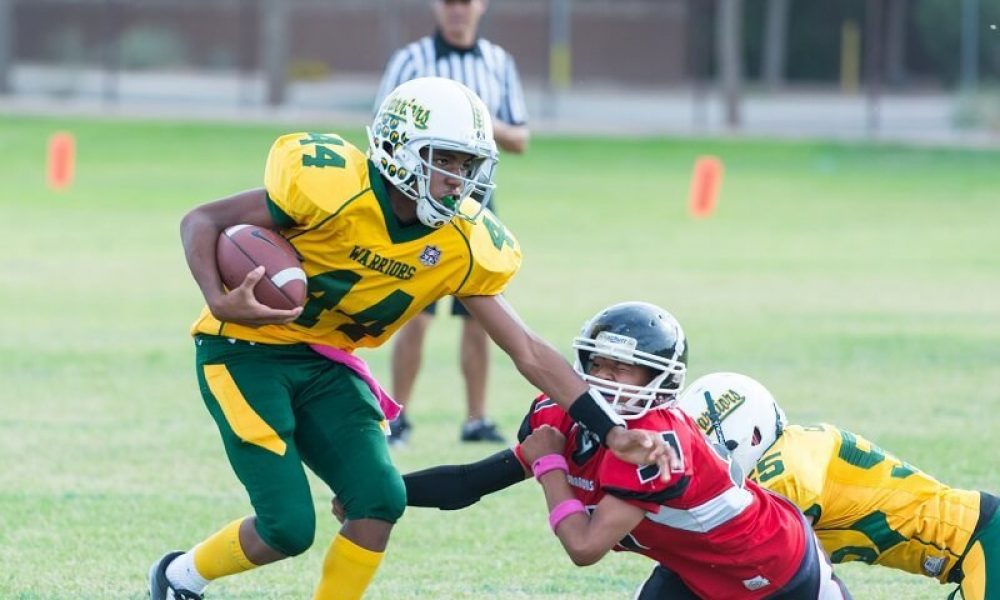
(387, 147)
(756, 436)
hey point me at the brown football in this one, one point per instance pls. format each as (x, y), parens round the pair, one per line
(242, 248)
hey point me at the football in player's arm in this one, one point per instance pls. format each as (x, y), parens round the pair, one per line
(719, 535)
(864, 503)
(381, 236)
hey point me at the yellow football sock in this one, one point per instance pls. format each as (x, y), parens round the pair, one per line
(347, 570)
(221, 554)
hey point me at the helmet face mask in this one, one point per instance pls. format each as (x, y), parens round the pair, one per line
(635, 333)
(747, 418)
(426, 115)
(476, 180)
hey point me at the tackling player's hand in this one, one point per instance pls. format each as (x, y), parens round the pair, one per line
(542, 441)
(642, 447)
(240, 306)
(338, 510)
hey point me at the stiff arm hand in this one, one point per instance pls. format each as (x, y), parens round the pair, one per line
(642, 447)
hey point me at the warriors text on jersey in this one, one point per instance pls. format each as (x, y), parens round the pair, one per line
(866, 504)
(722, 538)
(368, 274)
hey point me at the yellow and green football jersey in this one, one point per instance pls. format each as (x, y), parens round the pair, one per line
(367, 273)
(868, 505)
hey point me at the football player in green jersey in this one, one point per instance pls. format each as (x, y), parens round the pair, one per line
(381, 236)
(864, 503)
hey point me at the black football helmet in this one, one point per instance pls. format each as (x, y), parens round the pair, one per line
(636, 333)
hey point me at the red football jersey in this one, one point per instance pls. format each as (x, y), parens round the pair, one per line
(724, 536)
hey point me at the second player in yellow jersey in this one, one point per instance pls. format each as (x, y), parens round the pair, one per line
(864, 503)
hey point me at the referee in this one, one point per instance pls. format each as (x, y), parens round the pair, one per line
(457, 52)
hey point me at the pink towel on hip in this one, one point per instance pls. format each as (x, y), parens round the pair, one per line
(389, 406)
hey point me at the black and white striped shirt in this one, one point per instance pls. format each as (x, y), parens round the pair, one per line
(485, 68)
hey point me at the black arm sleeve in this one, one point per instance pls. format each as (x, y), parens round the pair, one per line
(450, 487)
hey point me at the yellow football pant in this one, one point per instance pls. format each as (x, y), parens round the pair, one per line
(981, 565)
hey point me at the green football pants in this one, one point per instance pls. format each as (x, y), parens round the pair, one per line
(279, 407)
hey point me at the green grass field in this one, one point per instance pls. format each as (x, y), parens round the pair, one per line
(861, 284)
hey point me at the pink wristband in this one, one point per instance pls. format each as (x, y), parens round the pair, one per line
(549, 462)
(563, 510)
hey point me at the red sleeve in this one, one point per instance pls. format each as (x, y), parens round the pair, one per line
(641, 484)
(543, 411)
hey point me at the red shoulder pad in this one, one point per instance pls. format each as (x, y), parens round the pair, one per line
(544, 411)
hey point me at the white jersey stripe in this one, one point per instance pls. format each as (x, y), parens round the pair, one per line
(457, 73)
(430, 63)
(469, 71)
(707, 516)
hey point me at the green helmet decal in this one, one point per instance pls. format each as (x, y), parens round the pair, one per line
(478, 121)
(724, 406)
(400, 108)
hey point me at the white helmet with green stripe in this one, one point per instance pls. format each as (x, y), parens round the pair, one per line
(428, 114)
(736, 411)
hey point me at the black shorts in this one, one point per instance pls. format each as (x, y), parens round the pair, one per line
(457, 308)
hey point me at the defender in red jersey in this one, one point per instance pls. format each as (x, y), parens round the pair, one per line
(712, 533)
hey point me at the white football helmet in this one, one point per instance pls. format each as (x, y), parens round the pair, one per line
(736, 411)
(420, 116)
(637, 333)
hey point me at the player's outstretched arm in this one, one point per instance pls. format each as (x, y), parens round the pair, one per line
(200, 229)
(547, 370)
(450, 487)
(585, 537)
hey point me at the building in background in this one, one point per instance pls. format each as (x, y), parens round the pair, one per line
(837, 57)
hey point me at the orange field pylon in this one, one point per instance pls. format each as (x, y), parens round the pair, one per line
(61, 160)
(706, 181)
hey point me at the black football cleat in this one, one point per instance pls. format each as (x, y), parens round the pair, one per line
(399, 431)
(159, 585)
(481, 430)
